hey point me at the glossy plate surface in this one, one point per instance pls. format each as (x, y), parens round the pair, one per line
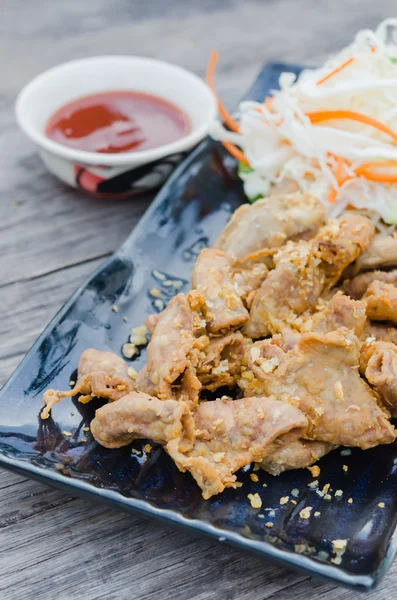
(188, 214)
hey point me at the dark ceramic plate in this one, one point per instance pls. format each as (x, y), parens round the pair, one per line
(188, 214)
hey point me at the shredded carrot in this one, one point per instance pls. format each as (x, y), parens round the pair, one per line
(340, 166)
(380, 177)
(335, 71)
(340, 163)
(268, 102)
(230, 122)
(326, 115)
(236, 152)
(374, 164)
(331, 198)
(368, 170)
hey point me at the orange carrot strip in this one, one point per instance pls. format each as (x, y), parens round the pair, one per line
(335, 71)
(340, 163)
(236, 152)
(380, 177)
(230, 122)
(331, 198)
(340, 178)
(326, 115)
(367, 170)
(374, 164)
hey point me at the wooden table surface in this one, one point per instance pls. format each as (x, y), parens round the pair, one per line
(54, 546)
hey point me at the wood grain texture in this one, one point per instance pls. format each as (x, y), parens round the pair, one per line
(51, 238)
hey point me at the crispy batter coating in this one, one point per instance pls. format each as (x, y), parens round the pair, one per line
(270, 222)
(380, 332)
(221, 366)
(248, 280)
(289, 290)
(223, 308)
(378, 364)
(381, 299)
(381, 253)
(298, 454)
(173, 353)
(339, 311)
(223, 435)
(102, 374)
(341, 242)
(140, 415)
(304, 270)
(357, 286)
(321, 376)
(231, 434)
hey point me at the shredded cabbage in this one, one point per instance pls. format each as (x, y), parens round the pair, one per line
(281, 142)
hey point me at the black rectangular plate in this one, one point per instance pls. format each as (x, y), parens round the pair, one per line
(187, 214)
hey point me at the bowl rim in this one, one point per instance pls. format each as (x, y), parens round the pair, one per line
(120, 158)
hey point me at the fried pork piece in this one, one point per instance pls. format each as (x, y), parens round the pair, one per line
(357, 286)
(289, 290)
(286, 340)
(101, 374)
(327, 295)
(247, 281)
(270, 222)
(265, 256)
(304, 270)
(221, 365)
(151, 322)
(381, 299)
(340, 242)
(298, 454)
(173, 353)
(140, 415)
(378, 364)
(340, 311)
(380, 332)
(231, 434)
(321, 376)
(381, 253)
(212, 274)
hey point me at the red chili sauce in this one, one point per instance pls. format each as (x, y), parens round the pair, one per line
(118, 121)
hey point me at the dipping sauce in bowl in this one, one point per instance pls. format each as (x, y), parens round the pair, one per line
(118, 121)
(115, 126)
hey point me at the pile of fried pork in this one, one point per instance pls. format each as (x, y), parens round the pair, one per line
(292, 319)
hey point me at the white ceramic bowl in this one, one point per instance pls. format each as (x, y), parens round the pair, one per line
(125, 172)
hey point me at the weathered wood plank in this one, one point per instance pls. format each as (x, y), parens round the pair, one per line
(66, 548)
(62, 547)
(316, 589)
(45, 226)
